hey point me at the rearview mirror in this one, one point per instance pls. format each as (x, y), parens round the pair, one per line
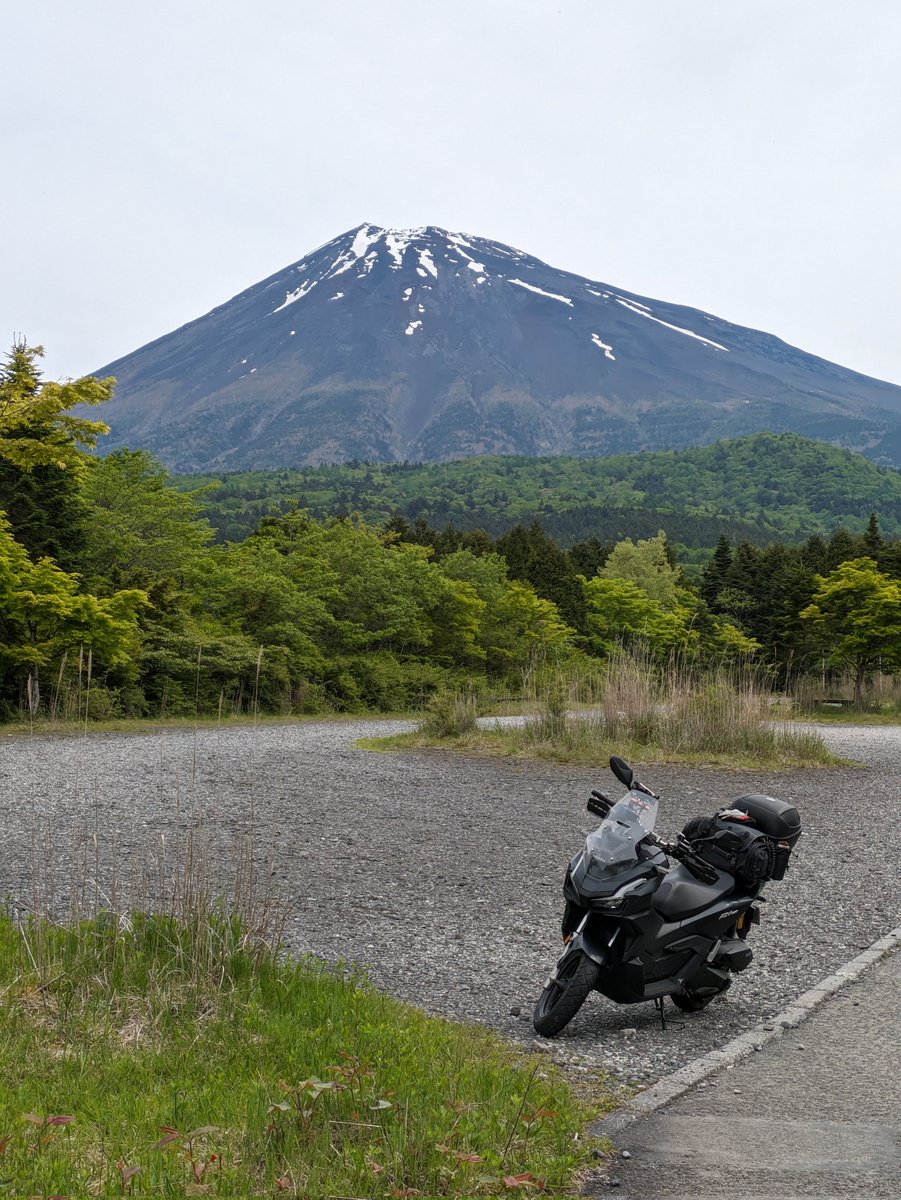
(622, 771)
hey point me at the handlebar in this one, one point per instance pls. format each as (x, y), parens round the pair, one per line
(682, 851)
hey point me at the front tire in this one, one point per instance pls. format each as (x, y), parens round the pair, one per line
(565, 993)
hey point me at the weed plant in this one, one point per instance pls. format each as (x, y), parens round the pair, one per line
(160, 1056)
(450, 714)
(641, 708)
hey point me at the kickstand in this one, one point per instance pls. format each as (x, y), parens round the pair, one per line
(658, 1004)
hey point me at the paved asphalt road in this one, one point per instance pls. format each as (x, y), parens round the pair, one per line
(815, 1114)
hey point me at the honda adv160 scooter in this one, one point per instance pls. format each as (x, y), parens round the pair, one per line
(637, 928)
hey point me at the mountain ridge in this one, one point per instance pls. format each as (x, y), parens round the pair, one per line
(392, 345)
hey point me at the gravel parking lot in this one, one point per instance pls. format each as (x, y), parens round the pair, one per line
(441, 874)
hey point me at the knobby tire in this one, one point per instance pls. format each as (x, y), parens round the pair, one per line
(565, 995)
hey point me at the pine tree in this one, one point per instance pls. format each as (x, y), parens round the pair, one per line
(41, 459)
(713, 579)
(589, 557)
(872, 537)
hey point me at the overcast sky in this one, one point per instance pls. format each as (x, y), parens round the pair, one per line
(741, 156)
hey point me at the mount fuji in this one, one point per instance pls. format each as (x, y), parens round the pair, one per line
(424, 345)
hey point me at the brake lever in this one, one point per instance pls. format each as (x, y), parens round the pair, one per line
(599, 804)
(681, 850)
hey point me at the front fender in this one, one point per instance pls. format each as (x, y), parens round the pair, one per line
(592, 943)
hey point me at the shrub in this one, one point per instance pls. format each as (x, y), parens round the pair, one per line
(450, 715)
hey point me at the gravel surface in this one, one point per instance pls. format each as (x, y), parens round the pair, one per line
(441, 874)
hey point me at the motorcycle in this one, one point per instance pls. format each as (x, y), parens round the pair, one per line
(637, 928)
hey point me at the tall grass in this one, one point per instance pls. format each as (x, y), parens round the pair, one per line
(672, 711)
(636, 705)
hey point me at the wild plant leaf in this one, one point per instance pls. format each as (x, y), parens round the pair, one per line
(526, 1180)
(168, 1140)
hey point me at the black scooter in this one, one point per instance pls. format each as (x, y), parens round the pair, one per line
(639, 929)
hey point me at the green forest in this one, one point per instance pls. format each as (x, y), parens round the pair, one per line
(375, 587)
(763, 488)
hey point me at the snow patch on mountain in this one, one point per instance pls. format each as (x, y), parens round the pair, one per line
(608, 350)
(636, 308)
(412, 327)
(292, 297)
(425, 261)
(541, 292)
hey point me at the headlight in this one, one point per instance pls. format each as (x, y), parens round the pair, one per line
(618, 899)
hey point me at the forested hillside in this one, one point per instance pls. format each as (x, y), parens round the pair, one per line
(763, 488)
(115, 599)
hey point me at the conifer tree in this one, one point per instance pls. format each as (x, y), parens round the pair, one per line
(713, 579)
(42, 455)
(872, 537)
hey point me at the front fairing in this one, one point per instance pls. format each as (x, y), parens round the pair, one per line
(617, 851)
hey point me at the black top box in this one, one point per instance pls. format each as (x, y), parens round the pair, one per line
(776, 818)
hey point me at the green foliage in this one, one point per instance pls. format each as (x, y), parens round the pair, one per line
(163, 1057)
(620, 612)
(138, 528)
(517, 625)
(41, 455)
(856, 618)
(43, 616)
(762, 488)
(648, 566)
(36, 430)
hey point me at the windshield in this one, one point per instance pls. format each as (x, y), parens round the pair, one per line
(613, 845)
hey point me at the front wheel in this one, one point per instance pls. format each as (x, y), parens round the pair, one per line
(566, 992)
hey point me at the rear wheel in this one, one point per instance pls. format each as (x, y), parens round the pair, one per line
(566, 992)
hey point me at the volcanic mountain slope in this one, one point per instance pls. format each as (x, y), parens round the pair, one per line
(423, 345)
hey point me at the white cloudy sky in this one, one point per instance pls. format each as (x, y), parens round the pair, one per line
(743, 156)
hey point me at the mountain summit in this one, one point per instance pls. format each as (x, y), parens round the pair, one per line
(423, 345)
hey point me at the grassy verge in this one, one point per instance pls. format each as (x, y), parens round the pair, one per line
(161, 1057)
(153, 725)
(593, 748)
(650, 715)
(849, 716)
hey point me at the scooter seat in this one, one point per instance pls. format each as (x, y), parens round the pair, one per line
(680, 895)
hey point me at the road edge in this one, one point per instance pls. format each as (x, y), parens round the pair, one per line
(672, 1086)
